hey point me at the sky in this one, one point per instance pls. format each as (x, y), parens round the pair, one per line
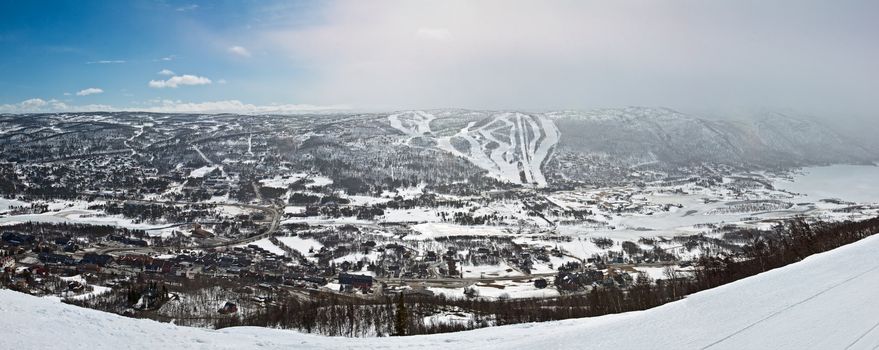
(816, 57)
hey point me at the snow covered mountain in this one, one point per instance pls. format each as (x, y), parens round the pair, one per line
(671, 137)
(535, 148)
(827, 301)
(511, 146)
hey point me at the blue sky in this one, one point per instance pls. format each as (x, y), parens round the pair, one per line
(56, 49)
(818, 57)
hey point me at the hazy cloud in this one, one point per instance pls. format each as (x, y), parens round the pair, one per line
(32, 103)
(240, 51)
(186, 8)
(166, 72)
(89, 91)
(433, 33)
(684, 54)
(235, 106)
(106, 62)
(179, 80)
(38, 105)
(166, 58)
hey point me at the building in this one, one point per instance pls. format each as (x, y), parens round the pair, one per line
(355, 281)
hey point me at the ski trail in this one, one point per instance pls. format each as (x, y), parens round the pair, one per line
(530, 140)
(411, 123)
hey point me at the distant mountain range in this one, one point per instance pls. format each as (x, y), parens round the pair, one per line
(671, 137)
(515, 146)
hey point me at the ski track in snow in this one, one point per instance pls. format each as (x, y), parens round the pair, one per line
(518, 159)
(412, 123)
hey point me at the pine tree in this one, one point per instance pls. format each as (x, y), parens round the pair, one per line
(402, 317)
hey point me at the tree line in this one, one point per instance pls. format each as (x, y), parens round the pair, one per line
(340, 316)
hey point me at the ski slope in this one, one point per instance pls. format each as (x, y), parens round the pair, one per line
(511, 146)
(412, 123)
(824, 302)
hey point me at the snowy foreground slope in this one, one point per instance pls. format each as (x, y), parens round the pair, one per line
(827, 301)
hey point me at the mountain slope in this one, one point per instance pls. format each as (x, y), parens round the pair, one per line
(827, 301)
(510, 146)
(607, 144)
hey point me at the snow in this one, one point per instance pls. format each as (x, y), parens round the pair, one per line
(302, 245)
(488, 271)
(233, 210)
(411, 123)
(824, 302)
(367, 200)
(447, 317)
(435, 230)
(201, 172)
(96, 290)
(517, 152)
(857, 183)
(355, 257)
(405, 192)
(88, 217)
(294, 209)
(284, 181)
(267, 245)
(417, 214)
(6, 203)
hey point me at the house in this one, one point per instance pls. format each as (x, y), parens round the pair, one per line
(88, 268)
(159, 266)
(199, 232)
(355, 281)
(58, 259)
(14, 238)
(228, 308)
(135, 260)
(540, 283)
(96, 259)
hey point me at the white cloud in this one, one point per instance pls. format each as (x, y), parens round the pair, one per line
(38, 105)
(240, 51)
(67, 94)
(58, 105)
(191, 7)
(89, 91)
(179, 80)
(166, 72)
(32, 103)
(221, 81)
(106, 62)
(235, 106)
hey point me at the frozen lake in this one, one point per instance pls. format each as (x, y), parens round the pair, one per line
(856, 183)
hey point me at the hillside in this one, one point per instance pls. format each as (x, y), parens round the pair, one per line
(824, 302)
(610, 142)
(607, 144)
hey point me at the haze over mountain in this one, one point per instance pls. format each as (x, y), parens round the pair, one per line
(576, 144)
